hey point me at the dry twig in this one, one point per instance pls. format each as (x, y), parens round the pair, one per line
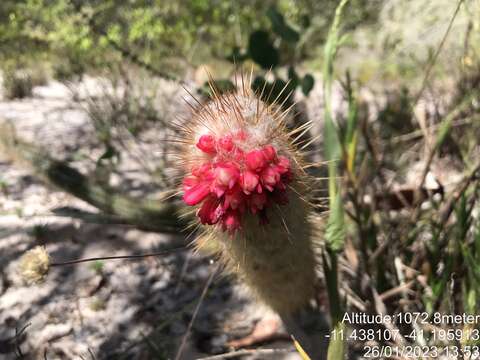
(245, 352)
(195, 313)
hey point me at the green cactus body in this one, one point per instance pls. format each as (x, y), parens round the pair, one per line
(276, 264)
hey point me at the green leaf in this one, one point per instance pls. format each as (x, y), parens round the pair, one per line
(237, 56)
(351, 135)
(221, 86)
(443, 131)
(278, 91)
(330, 269)
(336, 348)
(471, 301)
(280, 27)
(446, 124)
(352, 112)
(307, 84)
(262, 51)
(305, 21)
(293, 76)
(331, 141)
(335, 232)
(109, 153)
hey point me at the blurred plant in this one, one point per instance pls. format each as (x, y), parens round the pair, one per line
(125, 109)
(3, 186)
(79, 36)
(97, 304)
(21, 76)
(118, 207)
(335, 228)
(98, 267)
(396, 116)
(39, 232)
(377, 251)
(17, 84)
(271, 50)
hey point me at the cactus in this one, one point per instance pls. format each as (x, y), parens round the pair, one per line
(247, 182)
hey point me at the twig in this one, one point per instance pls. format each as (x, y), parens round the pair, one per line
(401, 278)
(455, 288)
(447, 209)
(401, 289)
(380, 308)
(431, 154)
(432, 150)
(244, 352)
(435, 56)
(157, 330)
(139, 256)
(414, 135)
(195, 312)
(15, 338)
(352, 298)
(92, 354)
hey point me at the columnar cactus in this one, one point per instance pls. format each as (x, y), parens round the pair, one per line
(250, 191)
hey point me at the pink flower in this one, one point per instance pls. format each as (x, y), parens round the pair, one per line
(226, 174)
(255, 160)
(211, 211)
(283, 165)
(189, 182)
(241, 135)
(280, 185)
(202, 171)
(233, 182)
(248, 181)
(287, 177)
(269, 152)
(226, 143)
(234, 199)
(196, 193)
(270, 176)
(238, 154)
(207, 144)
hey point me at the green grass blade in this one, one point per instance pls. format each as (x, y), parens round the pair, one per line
(336, 348)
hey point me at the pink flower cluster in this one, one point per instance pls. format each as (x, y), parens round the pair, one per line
(233, 182)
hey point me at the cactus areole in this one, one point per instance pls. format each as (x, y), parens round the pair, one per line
(246, 182)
